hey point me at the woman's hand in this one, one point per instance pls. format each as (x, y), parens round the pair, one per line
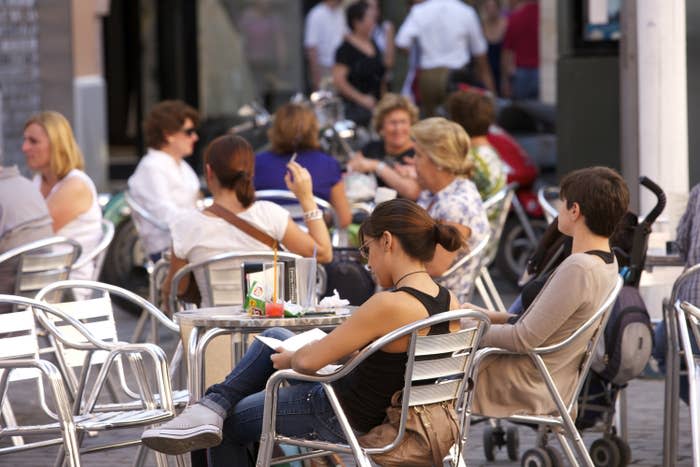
(298, 181)
(282, 360)
(360, 163)
(407, 171)
(366, 101)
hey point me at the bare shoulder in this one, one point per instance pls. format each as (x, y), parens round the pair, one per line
(74, 188)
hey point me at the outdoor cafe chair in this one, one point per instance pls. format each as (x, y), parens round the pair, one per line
(439, 368)
(562, 425)
(83, 411)
(98, 254)
(548, 197)
(475, 257)
(689, 331)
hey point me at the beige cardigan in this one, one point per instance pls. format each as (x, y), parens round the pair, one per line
(508, 385)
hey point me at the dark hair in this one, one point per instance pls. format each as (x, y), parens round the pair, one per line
(473, 111)
(232, 161)
(295, 128)
(417, 232)
(602, 195)
(356, 12)
(167, 117)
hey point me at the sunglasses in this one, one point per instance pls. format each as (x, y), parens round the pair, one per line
(189, 131)
(364, 249)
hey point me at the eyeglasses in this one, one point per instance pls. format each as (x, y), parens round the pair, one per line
(189, 131)
(364, 249)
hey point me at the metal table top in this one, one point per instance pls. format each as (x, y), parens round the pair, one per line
(235, 317)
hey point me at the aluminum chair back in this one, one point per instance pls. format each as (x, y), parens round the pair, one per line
(497, 207)
(473, 261)
(439, 368)
(98, 254)
(18, 340)
(222, 276)
(40, 263)
(689, 317)
(548, 197)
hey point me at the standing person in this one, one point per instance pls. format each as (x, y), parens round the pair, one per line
(163, 183)
(323, 32)
(359, 69)
(443, 171)
(383, 35)
(494, 23)
(521, 52)
(398, 239)
(295, 131)
(53, 154)
(452, 48)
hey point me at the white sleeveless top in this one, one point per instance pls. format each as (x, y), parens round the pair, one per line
(85, 229)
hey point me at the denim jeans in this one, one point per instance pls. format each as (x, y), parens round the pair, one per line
(302, 409)
(526, 83)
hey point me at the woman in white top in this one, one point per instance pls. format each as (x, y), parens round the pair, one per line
(163, 183)
(230, 168)
(52, 153)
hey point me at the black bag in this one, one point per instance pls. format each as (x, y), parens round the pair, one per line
(626, 345)
(347, 274)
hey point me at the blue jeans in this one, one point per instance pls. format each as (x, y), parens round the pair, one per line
(526, 83)
(302, 409)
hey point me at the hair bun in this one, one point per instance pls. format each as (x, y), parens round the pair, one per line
(448, 236)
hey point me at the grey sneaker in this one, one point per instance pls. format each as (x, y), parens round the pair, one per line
(197, 427)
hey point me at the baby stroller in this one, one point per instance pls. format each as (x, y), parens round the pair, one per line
(617, 361)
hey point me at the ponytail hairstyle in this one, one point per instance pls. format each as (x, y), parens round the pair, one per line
(417, 232)
(446, 143)
(232, 161)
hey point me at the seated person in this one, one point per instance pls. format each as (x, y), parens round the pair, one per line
(163, 183)
(688, 240)
(295, 131)
(24, 218)
(593, 202)
(444, 172)
(475, 112)
(53, 154)
(391, 158)
(229, 165)
(398, 239)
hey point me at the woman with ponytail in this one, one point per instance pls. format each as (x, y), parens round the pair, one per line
(398, 240)
(443, 171)
(229, 165)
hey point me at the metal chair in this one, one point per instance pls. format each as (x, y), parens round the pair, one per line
(98, 254)
(40, 263)
(445, 360)
(545, 196)
(155, 404)
(496, 207)
(689, 317)
(562, 424)
(475, 259)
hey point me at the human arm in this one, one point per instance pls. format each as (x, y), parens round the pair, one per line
(176, 264)
(340, 204)
(390, 48)
(314, 67)
(404, 186)
(298, 181)
(685, 224)
(69, 201)
(483, 72)
(507, 71)
(347, 90)
(443, 259)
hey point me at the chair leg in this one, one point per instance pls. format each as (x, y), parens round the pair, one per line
(141, 456)
(493, 292)
(140, 326)
(566, 447)
(161, 459)
(483, 293)
(10, 420)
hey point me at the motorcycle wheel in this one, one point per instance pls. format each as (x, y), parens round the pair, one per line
(515, 248)
(123, 265)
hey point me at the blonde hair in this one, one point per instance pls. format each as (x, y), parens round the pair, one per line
(446, 143)
(388, 104)
(65, 153)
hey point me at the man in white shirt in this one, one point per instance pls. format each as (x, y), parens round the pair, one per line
(323, 32)
(163, 183)
(450, 38)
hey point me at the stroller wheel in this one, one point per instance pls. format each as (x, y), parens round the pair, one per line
(624, 448)
(555, 456)
(489, 443)
(536, 457)
(513, 443)
(605, 453)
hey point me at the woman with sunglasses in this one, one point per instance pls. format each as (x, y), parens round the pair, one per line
(397, 239)
(163, 183)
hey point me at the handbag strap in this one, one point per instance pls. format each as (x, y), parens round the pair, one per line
(242, 225)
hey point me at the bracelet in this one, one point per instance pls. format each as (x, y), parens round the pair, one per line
(313, 215)
(380, 166)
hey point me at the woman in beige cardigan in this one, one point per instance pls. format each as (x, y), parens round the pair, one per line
(594, 200)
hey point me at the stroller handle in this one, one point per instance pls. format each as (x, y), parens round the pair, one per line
(660, 197)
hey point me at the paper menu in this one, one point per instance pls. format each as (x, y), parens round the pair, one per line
(295, 342)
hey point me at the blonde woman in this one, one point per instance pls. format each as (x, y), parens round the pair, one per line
(53, 154)
(443, 171)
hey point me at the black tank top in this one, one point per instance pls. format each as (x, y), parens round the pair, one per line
(366, 392)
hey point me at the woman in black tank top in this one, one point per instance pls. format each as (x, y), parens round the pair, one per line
(397, 240)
